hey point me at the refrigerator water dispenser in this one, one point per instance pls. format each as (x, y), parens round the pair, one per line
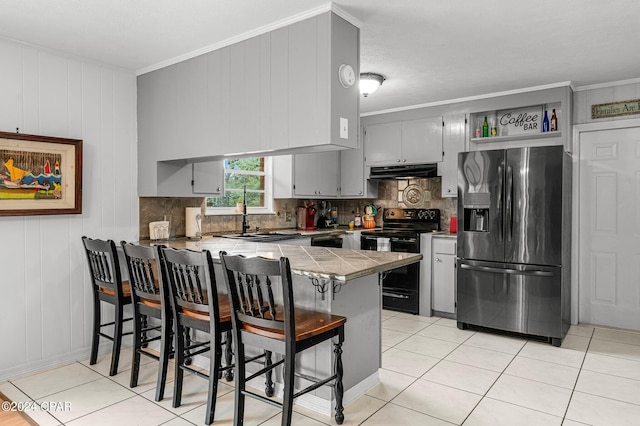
(476, 212)
(476, 220)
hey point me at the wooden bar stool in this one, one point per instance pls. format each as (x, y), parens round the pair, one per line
(284, 329)
(150, 299)
(107, 286)
(195, 304)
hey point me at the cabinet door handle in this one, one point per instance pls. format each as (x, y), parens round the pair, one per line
(359, 192)
(398, 160)
(218, 189)
(404, 161)
(438, 259)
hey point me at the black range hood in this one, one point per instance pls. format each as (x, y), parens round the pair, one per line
(404, 171)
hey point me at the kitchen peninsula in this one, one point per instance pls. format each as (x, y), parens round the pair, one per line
(340, 281)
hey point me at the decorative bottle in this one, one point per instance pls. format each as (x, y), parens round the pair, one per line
(485, 128)
(357, 220)
(545, 122)
(554, 121)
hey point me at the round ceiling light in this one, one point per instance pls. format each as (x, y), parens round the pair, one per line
(369, 83)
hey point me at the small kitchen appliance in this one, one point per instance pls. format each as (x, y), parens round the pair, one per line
(307, 217)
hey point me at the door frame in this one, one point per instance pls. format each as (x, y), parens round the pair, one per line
(578, 130)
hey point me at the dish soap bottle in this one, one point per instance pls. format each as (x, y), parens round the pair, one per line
(357, 220)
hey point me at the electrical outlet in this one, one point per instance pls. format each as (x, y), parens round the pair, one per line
(287, 217)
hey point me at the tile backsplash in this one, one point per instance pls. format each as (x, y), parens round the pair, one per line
(390, 195)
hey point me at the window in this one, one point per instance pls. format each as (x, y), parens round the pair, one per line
(255, 173)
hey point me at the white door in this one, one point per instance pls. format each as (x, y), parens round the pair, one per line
(609, 228)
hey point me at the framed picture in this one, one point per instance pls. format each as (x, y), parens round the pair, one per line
(39, 175)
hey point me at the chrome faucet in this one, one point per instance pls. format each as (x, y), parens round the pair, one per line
(245, 224)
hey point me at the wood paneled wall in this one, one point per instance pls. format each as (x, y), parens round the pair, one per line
(45, 300)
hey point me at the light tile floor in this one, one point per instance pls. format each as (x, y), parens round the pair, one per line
(432, 374)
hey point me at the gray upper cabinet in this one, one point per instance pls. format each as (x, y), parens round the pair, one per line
(275, 92)
(455, 126)
(312, 175)
(315, 175)
(404, 142)
(208, 178)
(353, 180)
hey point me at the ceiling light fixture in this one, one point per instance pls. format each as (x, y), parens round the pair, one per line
(369, 82)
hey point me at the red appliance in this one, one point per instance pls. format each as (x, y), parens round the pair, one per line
(307, 217)
(453, 225)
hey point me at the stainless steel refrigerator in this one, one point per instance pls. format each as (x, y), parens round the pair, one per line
(514, 240)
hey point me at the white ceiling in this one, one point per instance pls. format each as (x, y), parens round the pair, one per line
(429, 50)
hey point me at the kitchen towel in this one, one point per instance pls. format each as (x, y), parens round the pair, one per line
(192, 220)
(383, 244)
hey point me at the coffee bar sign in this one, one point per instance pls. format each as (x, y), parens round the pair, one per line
(615, 109)
(520, 121)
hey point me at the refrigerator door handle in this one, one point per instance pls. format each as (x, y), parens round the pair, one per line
(506, 271)
(499, 213)
(509, 203)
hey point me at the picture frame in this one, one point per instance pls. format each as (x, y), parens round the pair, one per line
(40, 175)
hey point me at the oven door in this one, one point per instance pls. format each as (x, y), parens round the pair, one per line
(401, 286)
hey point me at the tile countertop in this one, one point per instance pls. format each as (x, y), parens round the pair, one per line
(316, 262)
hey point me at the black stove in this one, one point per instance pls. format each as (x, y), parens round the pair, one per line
(397, 222)
(401, 229)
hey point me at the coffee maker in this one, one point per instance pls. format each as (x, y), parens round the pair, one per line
(306, 217)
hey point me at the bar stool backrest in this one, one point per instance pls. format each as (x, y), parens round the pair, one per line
(250, 283)
(144, 276)
(104, 266)
(190, 277)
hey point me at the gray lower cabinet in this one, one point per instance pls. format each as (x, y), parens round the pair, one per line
(351, 240)
(444, 275)
(453, 141)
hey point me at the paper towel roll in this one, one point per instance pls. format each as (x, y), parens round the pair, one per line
(193, 219)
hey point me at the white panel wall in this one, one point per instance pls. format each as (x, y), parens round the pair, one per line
(584, 99)
(45, 298)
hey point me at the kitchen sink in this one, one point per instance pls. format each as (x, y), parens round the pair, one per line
(264, 237)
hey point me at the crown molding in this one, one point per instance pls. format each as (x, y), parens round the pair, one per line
(328, 7)
(470, 98)
(609, 84)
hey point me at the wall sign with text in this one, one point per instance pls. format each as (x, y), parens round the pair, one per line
(519, 121)
(615, 109)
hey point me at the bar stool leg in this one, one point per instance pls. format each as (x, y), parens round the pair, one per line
(238, 418)
(287, 399)
(135, 356)
(269, 389)
(95, 340)
(117, 341)
(339, 389)
(178, 338)
(228, 356)
(165, 351)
